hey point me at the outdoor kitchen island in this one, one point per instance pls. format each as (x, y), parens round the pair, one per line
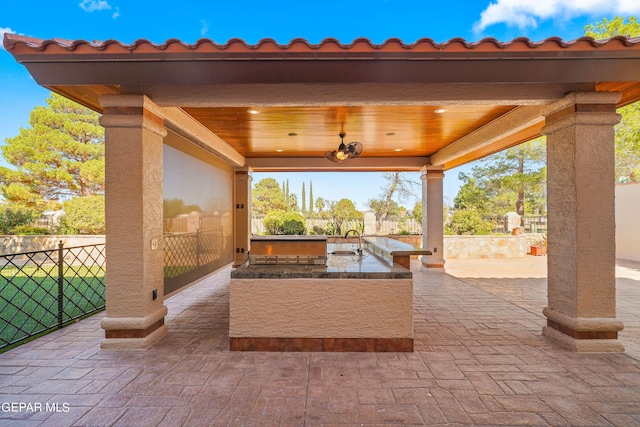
(354, 302)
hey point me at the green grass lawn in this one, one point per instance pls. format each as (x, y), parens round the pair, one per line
(29, 299)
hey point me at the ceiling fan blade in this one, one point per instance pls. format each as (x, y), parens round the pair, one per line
(353, 149)
(331, 155)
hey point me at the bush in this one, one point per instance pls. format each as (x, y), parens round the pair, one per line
(467, 221)
(11, 218)
(281, 222)
(83, 215)
(29, 230)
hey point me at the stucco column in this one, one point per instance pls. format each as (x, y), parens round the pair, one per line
(242, 203)
(134, 133)
(432, 218)
(581, 311)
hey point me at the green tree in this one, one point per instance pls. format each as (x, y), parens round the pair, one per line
(627, 140)
(60, 156)
(282, 222)
(397, 185)
(12, 217)
(293, 202)
(506, 181)
(310, 198)
(417, 211)
(267, 196)
(468, 221)
(84, 215)
(304, 200)
(320, 205)
(471, 196)
(618, 26)
(342, 213)
(174, 207)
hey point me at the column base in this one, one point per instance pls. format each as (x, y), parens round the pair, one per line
(596, 335)
(432, 265)
(132, 333)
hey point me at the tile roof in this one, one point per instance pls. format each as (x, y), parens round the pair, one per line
(327, 46)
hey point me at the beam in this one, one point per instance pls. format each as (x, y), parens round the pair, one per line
(508, 124)
(320, 164)
(345, 94)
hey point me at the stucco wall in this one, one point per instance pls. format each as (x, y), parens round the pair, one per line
(321, 308)
(19, 244)
(628, 221)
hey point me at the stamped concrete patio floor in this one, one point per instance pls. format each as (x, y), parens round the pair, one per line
(479, 359)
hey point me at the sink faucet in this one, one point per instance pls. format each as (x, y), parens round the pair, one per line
(359, 239)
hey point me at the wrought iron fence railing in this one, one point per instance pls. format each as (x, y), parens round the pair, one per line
(45, 290)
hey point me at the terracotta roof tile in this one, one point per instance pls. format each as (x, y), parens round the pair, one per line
(301, 46)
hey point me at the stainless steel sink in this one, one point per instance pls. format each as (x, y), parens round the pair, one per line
(343, 253)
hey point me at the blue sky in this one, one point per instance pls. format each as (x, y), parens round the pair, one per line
(378, 20)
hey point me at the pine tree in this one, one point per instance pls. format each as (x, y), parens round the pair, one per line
(60, 156)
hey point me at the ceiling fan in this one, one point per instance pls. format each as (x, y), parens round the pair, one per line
(344, 151)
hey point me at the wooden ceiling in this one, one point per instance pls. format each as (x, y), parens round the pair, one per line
(310, 131)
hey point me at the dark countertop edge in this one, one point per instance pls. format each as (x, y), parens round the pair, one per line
(289, 237)
(245, 273)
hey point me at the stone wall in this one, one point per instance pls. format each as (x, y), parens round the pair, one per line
(496, 246)
(19, 244)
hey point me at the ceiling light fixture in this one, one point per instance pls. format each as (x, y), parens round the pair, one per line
(344, 151)
(441, 110)
(254, 112)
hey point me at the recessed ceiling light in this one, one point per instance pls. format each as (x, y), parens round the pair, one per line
(397, 149)
(441, 110)
(253, 111)
(279, 150)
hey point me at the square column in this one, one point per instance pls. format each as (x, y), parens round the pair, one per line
(432, 218)
(581, 311)
(242, 225)
(134, 134)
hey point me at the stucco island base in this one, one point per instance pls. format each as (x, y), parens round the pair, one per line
(319, 314)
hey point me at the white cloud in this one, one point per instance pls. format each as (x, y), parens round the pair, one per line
(2, 33)
(527, 13)
(93, 5)
(204, 29)
(116, 14)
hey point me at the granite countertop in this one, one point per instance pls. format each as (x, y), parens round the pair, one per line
(367, 266)
(395, 247)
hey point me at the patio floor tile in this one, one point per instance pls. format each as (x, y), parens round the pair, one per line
(479, 359)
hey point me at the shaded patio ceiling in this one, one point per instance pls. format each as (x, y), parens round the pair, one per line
(280, 107)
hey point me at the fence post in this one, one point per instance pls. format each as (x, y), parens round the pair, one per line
(198, 247)
(60, 283)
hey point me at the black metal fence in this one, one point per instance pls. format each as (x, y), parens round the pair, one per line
(45, 290)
